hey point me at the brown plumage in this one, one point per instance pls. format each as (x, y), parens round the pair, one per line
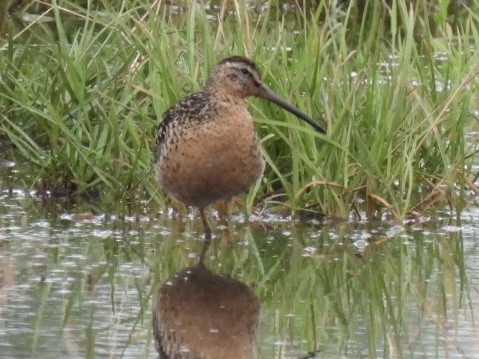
(207, 147)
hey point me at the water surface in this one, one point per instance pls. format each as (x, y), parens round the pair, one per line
(74, 284)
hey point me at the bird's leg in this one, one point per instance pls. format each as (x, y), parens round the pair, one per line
(206, 226)
(207, 230)
(204, 249)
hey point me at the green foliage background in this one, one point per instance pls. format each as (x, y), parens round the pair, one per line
(84, 85)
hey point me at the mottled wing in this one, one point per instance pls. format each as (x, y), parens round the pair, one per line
(181, 116)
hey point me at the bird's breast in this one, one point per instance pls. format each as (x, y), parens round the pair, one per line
(212, 159)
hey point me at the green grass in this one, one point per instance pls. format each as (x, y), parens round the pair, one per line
(83, 88)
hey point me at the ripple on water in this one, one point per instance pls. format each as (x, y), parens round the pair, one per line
(80, 276)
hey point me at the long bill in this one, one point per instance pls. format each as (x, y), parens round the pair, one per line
(268, 94)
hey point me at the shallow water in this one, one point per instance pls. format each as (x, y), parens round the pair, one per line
(78, 285)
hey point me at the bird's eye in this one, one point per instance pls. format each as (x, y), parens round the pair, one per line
(244, 71)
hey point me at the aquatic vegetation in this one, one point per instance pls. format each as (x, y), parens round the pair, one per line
(83, 86)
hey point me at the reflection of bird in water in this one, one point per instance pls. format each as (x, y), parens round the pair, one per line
(201, 315)
(206, 145)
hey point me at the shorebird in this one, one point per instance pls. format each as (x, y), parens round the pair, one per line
(207, 148)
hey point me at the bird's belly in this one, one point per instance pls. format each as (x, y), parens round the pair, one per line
(211, 166)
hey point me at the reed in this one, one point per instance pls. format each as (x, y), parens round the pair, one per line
(84, 86)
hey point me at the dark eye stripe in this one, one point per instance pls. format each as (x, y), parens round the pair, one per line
(247, 71)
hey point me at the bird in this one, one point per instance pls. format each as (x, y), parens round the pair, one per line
(207, 148)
